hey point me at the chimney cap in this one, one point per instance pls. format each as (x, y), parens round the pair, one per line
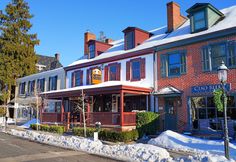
(57, 56)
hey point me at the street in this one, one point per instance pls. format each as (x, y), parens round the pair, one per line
(14, 149)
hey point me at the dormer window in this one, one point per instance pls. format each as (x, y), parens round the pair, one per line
(92, 50)
(203, 16)
(199, 20)
(129, 40)
(134, 36)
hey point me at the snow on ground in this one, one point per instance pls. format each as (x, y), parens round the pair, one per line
(213, 149)
(9, 120)
(132, 152)
(28, 123)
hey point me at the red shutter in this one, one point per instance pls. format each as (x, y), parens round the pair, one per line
(118, 72)
(73, 79)
(81, 77)
(106, 73)
(87, 76)
(142, 68)
(128, 70)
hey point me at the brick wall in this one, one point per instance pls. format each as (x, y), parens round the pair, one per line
(194, 76)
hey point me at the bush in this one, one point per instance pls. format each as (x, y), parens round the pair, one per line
(114, 136)
(146, 123)
(79, 131)
(56, 129)
(47, 128)
(108, 135)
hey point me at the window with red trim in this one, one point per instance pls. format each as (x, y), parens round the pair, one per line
(135, 69)
(77, 78)
(112, 72)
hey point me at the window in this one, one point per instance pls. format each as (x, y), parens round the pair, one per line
(40, 85)
(203, 108)
(92, 50)
(173, 64)
(53, 106)
(129, 40)
(77, 78)
(135, 70)
(31, 85)
(22, 88)
(212, 55)
(112, 72)
(52, 83)
(199, 20)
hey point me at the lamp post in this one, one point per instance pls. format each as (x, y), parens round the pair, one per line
(222, 75)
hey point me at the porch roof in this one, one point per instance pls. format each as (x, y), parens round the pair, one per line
(169, 90)
(102, 88)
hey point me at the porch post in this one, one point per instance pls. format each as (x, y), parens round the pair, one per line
(41, 110)
(88, 112)
(62, 109)
(121, 108)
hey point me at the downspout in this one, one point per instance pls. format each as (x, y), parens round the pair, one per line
(155, 82)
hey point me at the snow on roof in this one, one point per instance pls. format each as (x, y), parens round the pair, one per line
(160, 36)
(101, 85)
(41, 73)
(168, 90)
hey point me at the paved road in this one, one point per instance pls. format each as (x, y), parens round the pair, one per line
(13, 149)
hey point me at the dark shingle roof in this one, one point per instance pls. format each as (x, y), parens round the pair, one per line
(49, 61)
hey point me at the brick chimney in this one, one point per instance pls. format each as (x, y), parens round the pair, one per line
(174, 17)
(108, 40)
(57, 56)
(87, 37)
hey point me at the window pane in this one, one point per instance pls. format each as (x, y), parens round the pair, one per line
(211, 113)
(210, 102)
(112, 73)
(199, 15)
(202, 113)
(77, 78)
(218, 53)
(129, 40)
(136, 70)
(199, 102)
(231, 101)
(174, 64)
(231, 113)
(199, 20)
(92, 51)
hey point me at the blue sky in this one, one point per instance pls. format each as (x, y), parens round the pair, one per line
(60, 24)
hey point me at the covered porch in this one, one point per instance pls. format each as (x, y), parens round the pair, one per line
(114, 106)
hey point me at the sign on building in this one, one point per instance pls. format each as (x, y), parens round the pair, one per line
(209, 88)
(96, 76)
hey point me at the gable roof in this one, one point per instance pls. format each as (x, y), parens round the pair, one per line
(199, 6)
(49, 61)
(161, 38)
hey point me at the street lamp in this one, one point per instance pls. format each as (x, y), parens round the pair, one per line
(222, 75)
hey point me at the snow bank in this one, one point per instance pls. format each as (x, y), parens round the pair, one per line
(212, 149)
(9, 120)
(28, 123)
(134, 152)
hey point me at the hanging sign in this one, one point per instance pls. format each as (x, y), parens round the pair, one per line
(96, 76)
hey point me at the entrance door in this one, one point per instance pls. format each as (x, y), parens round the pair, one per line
(170, 114)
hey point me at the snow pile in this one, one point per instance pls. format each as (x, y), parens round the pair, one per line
(9, 120)
(134, 152)
(213, 149)
(28, 123)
